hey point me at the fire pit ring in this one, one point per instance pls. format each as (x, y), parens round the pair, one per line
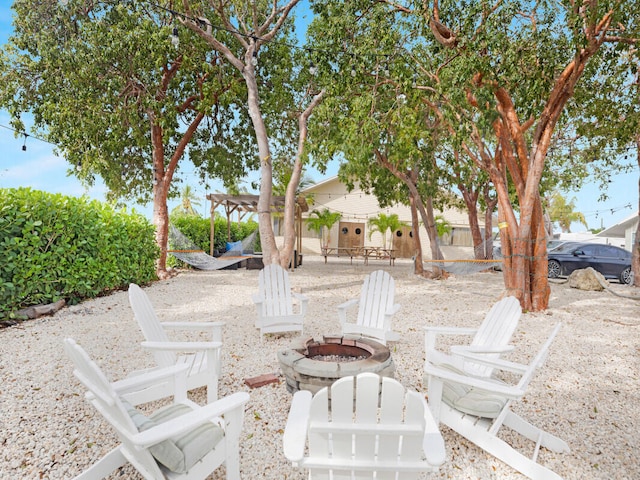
(305, 369)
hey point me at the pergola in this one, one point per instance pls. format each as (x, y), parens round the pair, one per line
(243, 204)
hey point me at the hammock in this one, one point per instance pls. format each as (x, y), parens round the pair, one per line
(188, 252)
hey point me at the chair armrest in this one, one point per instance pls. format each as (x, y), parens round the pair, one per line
(300, 297)
(149, 378)
(497, 363)
(193, 325)
(295, 431)
(304, 302)
(189, 421)
(476, 349)
(342, 309)
(393, 310)
(487, 385)
(182, 346)
(348, 303)
(432, 442)
(257, 298)
(451, 330)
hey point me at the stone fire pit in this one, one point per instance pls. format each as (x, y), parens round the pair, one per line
(312, 364)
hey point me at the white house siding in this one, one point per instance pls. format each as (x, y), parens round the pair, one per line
(358, 207)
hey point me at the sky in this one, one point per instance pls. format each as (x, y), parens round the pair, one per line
(39, 168)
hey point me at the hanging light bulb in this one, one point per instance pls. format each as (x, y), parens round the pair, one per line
(24, 145)
(414, 84)
(175, 39)
(353, 71)
(254, 58)
(313, 69)
(79, 167)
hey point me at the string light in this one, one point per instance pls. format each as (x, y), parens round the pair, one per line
(254, 58)
(24, 145)
(175, 39)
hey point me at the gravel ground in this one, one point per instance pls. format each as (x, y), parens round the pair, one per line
(588, 392)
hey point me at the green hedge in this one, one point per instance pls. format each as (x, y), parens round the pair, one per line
(198, 230)
(54, 246)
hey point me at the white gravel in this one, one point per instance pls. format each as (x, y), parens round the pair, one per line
(588, 393)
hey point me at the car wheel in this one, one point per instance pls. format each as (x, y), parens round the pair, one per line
(554, 269)
(626, 276)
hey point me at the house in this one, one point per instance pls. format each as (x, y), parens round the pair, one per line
(625, 230)
(357, 207)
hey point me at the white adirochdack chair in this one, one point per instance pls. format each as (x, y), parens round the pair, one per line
(179, 441)
(376, 309)
(490, 339)
(275, 302)
(477, 407)
(203, 358)
(360, 425)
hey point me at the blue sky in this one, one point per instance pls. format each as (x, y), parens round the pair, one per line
(39, 168)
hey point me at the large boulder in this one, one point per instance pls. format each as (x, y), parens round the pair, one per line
(587, 279)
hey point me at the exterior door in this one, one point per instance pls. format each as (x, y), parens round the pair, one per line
(403, 242)
(351, 235)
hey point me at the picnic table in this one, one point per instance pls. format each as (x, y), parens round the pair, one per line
(377, 253)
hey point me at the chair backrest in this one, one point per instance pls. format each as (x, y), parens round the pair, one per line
(367, 419)
(150, 325)
(496, 330)
(376, 298)
(104, 398)
(273, 285)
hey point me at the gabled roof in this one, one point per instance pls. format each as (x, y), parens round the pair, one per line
(619, 229)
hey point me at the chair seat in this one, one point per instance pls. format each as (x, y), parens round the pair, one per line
(180, 453)
(470, 400)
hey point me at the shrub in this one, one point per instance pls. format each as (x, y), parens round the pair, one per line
(55, 246)
(198, 230)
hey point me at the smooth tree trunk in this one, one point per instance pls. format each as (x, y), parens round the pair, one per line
(490, 206)
(270, 253)
(418, 264)
(290, 207)
(635, 248)
(260, 34)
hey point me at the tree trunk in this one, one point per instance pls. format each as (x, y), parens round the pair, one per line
(471, 201)
(635, 248)
(418, 265)
(270, 253)
(290, 200)
(490, 206)
(427, 214)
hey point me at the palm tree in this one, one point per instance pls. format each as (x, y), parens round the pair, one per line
(188, 199)
(383, 223)
(442, 225)
(563, 212)
(321, 221)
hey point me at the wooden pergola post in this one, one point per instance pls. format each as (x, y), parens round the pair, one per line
(249, 203)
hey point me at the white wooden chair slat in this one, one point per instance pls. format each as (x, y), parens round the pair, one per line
(376, 309)
(203, 358)
(108, 398)
(363, 427)
(483, 431)
(275, 302)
